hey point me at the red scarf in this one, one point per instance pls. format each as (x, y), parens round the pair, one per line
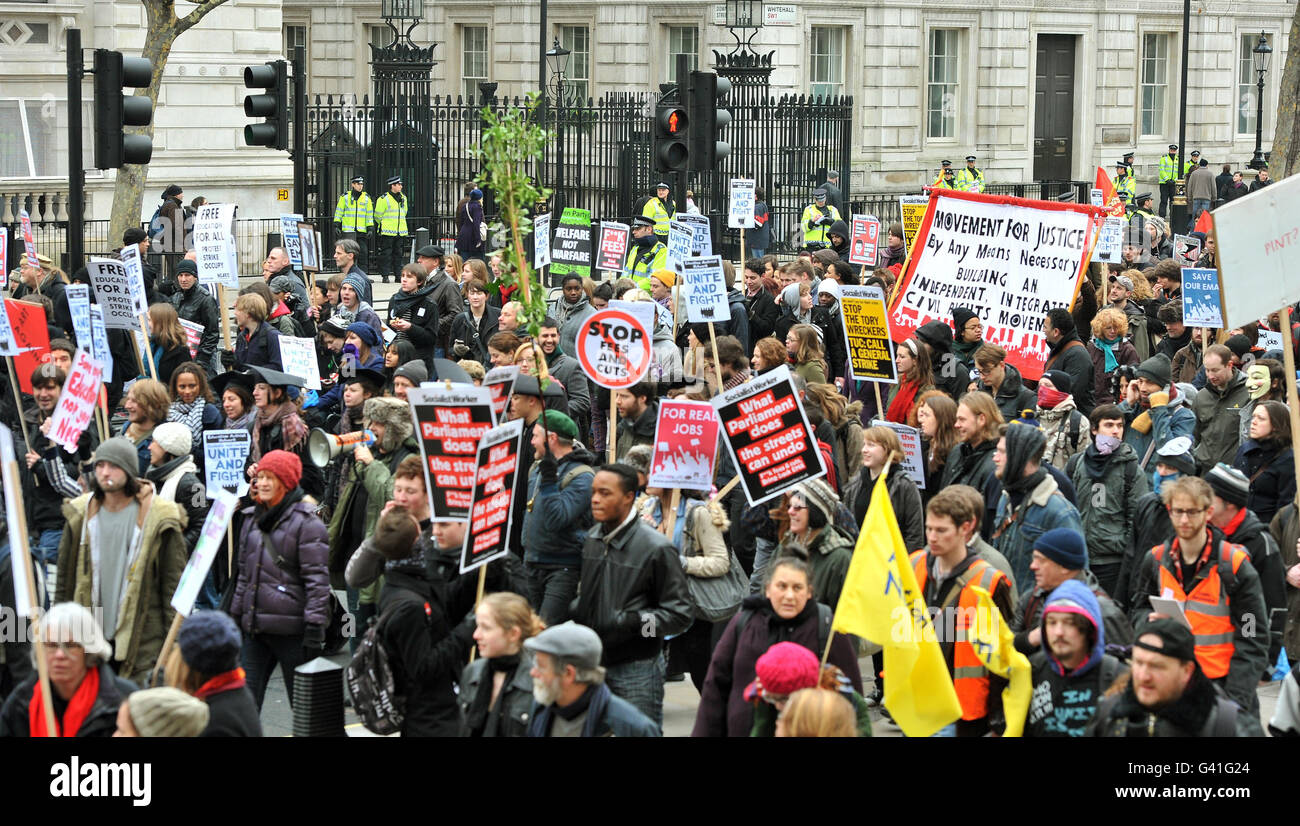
(901, 406)
(228, 681)
(78, 708)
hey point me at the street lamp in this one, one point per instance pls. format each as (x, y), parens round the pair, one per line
(398, 12)
(741, 15)
(1261, 54)
(557, 58)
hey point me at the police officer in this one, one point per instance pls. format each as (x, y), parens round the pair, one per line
(354, 216)
(945, 167)
(970, 179)
(816, 220)
(948, 180)
(390, 213)
(1125, 186)
(1193, 161)
(1167, 176)
(660, 210)
(647, 254)
(1144, 205)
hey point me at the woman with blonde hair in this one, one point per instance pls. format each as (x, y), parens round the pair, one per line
(880, 448)
(496, 690)
(804, 348)
(816, 712)
(204, 663)
(168, 345)
(1109, 349)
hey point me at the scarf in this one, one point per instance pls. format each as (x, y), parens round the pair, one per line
(191, 415)
(292, 428)
(1107, 346)
(229, 681)
(78, 710)
(245, 421)
(965, 350)
(902, 403)
(476, 717)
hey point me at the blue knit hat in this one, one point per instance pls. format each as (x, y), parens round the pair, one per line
(1065, 547)
(364, 332)
(209, 642)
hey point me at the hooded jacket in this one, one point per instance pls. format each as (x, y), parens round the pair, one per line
(158, 557)
(571, 318)
(1119, 633)
(1064, 700)
(419, 308)
(948, 376)
(968, 465)
(1024, 515)
(1218, 421)
(1252, 534)
(447, 298)
(1012, 398)
(1107, 490)
(1147, 429)
(828, 556)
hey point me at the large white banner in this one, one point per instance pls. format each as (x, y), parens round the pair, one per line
(1008, 260)
(1257, 239)
(214, 245)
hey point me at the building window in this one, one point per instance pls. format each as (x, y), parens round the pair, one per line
(1155, 82)
(473, 59)
(942, 88)
(1248, 87)
(379, 35)
(35, 144)
(577, 39)
(682, 40)
(827, 56)
(294, 36)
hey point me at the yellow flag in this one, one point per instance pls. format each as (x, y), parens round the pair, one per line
(882, 603)
(994, 644)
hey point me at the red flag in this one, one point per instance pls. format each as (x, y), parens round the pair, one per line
(30, 331)
(1204, 223)
(1110, 200)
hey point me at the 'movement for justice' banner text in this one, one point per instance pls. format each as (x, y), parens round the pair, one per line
(1009, 260)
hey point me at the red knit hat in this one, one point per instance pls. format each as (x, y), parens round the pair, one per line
(784, 669)
(283, 465)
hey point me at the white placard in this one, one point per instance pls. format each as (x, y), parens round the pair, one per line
(1270, 340)
(224, 454)
(1258, 237)
(76, 405)
(1110, 242)
(299, 358)
(740, 214)
(211, 538)
(542, 240)
(113, 294)
(705, 289)
(8, 346)
(913, 455)
(289, 238)
(702, 239)
(99, 340)
(135, 278)
(214, 245)
(78, 296)
(12, 487)
(681, 241)
(29, 242)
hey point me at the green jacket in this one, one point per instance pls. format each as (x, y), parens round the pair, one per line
(376, 479)
(1168, 163)
(1108, 501)
(829, 557)
(1218, 421)
(354, 214)
(765, 716)
(145, 613)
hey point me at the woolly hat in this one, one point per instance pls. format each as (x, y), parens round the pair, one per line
(414, 371)
(209, 642)
(1229, 484)
(1238, 344)
(1065, 547)
(334, 327)
(185, 265)
(961, 315)
(1157, 369)
(174, 437)
(359, 283)
(167, 712)
(790, 297)
(1177, 453)
(1060, 380)
(784, 669)
(823, 502)
(668, 277)
(119, 451)
(281, 284)
(364, 332)
(395, 415)
(638, 458)
(283, 465)
(831, 288)
(172, 191)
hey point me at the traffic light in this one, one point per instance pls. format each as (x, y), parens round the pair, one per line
(707, 120)
(671, 148)
(273, 105)
(114, 110)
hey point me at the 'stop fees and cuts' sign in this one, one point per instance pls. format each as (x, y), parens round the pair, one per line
(614, 349)
(768, 435)
(1007, 259)
(449, 424)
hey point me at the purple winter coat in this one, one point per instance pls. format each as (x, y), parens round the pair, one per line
(270, 599)
(723, 711)
(468, 240)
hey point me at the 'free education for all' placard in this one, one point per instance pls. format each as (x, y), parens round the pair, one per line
(449, 424)
(490, 508)
(1009, 260)
(768, 435)
(866, 334)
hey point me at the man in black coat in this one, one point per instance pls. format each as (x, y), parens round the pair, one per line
(632, 592)
(413, 312)
(1066, 352)
(762, 309)
(446, 295)
(193, 303)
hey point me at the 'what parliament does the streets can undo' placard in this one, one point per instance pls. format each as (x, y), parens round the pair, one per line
(1009, 260)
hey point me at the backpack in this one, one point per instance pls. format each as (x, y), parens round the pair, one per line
(372, 686)
(824, 618)
(156, 228)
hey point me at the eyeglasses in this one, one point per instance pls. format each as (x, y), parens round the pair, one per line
(1180, 513)
(72, 649)
(796, 507)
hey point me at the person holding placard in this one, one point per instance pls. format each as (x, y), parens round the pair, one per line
(413, 312)
(193, 303)
(123, 546)
(147, 404)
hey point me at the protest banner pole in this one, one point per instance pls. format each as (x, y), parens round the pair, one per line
(735, 480)
(42, 666)
(670, 516)
(105, 424)
(166, 648)
(880, 406)
(144, 328)
(613, 426)
(230, 549)
(18, 400)
(717, 362)
(225, 319)
(1292, 397)
(742, 249)
(478, 599)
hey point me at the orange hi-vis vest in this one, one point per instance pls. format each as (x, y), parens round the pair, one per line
(969, 677)
(1207, 606)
